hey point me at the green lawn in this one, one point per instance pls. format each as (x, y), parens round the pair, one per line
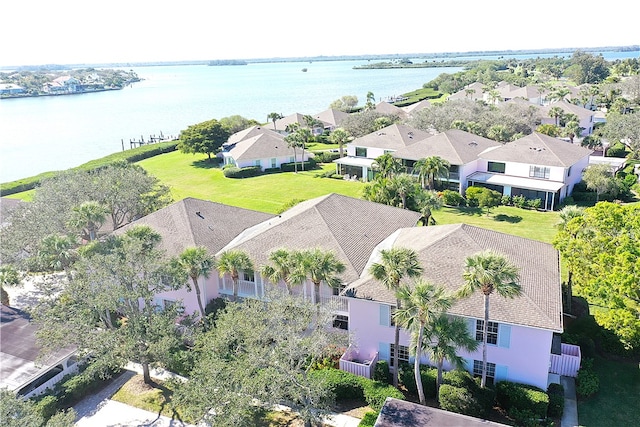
(191, 176)
(617, 402)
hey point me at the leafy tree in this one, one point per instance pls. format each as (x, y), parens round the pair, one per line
(341, 137)
(488, 199)
(396, 264)
(318, 266)
(9, 276)
(17, 412)
(236, 123)
(88, 217)
(548, 129)
(587, 68)
(431, 169)
(118, 279)
(626, 129)
(274, 117)
(421, 306)
(602, 249)
(565, 215)
(362, 123)
(194, 263)
(345, 103)
(489, 272)
(56, 253)
(444, 336)
(282, 262)
(232, 262)
(599, 178)
(260, 351)
(204, 138)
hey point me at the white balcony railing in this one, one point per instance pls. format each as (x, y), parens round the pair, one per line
(566, 363)
(363, 365)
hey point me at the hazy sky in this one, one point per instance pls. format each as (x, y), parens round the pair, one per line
(73, 31)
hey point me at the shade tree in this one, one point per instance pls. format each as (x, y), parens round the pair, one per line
(203, 138)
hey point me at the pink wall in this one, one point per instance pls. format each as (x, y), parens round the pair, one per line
(208, 289)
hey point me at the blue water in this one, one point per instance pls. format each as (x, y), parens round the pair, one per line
(58, 132)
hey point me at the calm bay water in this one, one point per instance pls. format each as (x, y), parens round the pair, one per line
(57, 132)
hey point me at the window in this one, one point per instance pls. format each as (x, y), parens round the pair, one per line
(361, 151)
(273, 163)
(341, 322)
(336, 290)
(569, 171)
(292, 159)
(258, 162)
(477, 369)
(248, 276)
(539, 172)
(403, 353)
(492, 331)
(495, 167)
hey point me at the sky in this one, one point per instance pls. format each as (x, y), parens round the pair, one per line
(35, 32)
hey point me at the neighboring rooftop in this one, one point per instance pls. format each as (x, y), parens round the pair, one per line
(393, 137)
(442, 250)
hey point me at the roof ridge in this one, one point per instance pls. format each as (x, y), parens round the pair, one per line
(185, 212)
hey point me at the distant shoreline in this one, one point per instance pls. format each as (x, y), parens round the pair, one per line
(378, 57)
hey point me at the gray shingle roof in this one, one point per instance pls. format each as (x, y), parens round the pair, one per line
(393, 137)
(458, 147)
(350, 227)
(261, 146)
(249, 133)
(442, 251)
(194, 222)
(538, 149)
(332, 116)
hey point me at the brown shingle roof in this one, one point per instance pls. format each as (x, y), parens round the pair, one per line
(393, 137)
(538, 149)
(458, 147)
(194, 222)
(442, 251)
(261, 146)
(350, 227)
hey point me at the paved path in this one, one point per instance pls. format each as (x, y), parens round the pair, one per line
(570, 414)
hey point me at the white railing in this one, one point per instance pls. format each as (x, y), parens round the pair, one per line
(51, 382)
(352, 362)
(336, 303)
(568, 362)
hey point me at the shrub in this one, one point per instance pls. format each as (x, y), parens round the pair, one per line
(47, 406)
(369, 419)
(451, 198)
(235, 172)
(325, 156)
(506, 200)
(376, 392)
(569, 200)
(459, 378)
(524, 417)
(459, 400)
(428, 375)
(343, 385)
(483, 398)
(587, 382)
(290, 167)
(556, 400)
(519, 201)
(472, 195)
(534, 203)
(381, 372)
(522, 397)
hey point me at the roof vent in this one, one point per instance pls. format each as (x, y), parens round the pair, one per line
(473, 144)
(199, 214)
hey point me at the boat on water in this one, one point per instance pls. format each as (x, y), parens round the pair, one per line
(304, 70)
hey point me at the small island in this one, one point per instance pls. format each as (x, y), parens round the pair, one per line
(218, 62)
(49, 82)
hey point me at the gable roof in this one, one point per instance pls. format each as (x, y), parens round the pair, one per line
(456, 146)
(538, 149)
(261, 146)
(476, 88)
(442, 250)
(390, 109)
(568, 107)
(417, 106)
(350, 227)
(193, 222)
(249, 133)
(281, 124)
(393, 137)
(332, 117)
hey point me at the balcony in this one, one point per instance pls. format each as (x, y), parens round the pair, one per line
(359, 364)
(567, 363)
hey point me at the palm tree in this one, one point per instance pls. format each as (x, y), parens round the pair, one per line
(293, 142)
(88, 217)
(56, 253)
(232, 262)
(196, 262)
(341, 137)
(387, 165)
(429, 203)
(489, 271)
(421, 307)
(445, 336)
(394, 265)
(431, 168)
(304, 136)
(319, 266)
(274, 117)
(556, 113)
(283, 263)
(402, 184)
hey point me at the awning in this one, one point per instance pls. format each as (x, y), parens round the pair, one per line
(355, 161)
(516, 181)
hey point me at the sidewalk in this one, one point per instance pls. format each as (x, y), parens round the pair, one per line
(570, 414)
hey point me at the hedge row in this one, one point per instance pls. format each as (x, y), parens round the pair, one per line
(345, 385)
(524, 399)
(428, 375)
(131, 156)
(461, 393)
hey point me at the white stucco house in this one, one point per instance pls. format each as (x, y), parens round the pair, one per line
(586, 118)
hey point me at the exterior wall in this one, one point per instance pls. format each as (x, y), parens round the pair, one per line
(372, 153)
(466, 170)
(522, 354)
(266, 162)
(576, 173)
(208, 291)
(522, 169)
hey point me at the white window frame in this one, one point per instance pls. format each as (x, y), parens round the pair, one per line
(492, 331)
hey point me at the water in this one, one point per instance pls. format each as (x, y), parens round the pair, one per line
(59, 132)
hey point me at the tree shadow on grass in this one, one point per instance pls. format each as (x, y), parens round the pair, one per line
(471, 211)
(206, 164)
(513, 219)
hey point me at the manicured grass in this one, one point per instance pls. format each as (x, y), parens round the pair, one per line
(531, 224)
(616, 404)
(192, 176)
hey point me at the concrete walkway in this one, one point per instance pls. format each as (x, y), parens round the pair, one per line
(570, 414)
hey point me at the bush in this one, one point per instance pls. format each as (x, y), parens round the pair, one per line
(369, 419)
(376, 392)
(522, 397)
(556, 400)
(459, 400)
(235, 172)
(519, 201)
(428, 375)
(472, 195)
(506, 200)
(524, 417)
(381, 372)
(290, 167)
(587, 382)
(534, 203)
(451, 198)
(584, 196)
(325, 156)
(483, 398)
(47, 406)
(459, 378)
(343, 385)
(569, 200)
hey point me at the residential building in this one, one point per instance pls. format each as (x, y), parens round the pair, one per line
(11, 89)
(586, 117)
(331, 118)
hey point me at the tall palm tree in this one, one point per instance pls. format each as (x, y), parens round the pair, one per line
(489, 272)
(319, 266)
(556, 113)
(341, 137)
(443, 338)
(420, 308)
(274, 117)
(429, 203)
(282, 263)
(56, 253)
(402, 184)
(431, 168)
(304, 136)
(196, 262)
(232, 262)
(394, 265)
(293, 142)
(387, 165)
(88, 217)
